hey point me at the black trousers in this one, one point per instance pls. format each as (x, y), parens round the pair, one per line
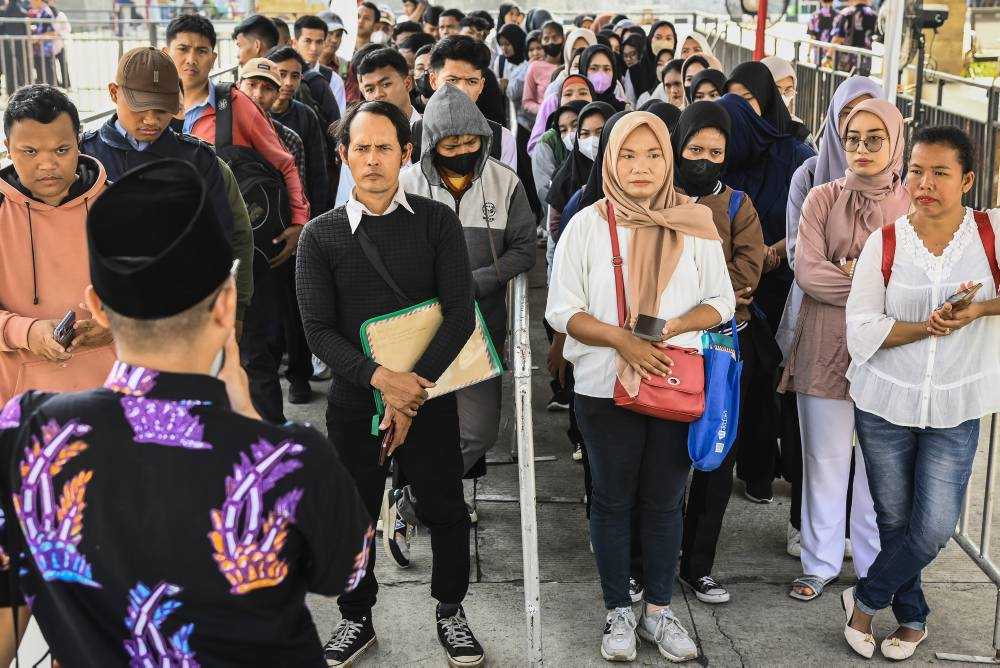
(757, 440)
(300, 367)
(259, 353)
(791, 457)
(431, 461)
(710, 490)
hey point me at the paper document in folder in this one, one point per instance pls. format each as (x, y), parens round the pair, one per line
(397, 340)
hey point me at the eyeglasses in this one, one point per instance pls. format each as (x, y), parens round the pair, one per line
(872, 144)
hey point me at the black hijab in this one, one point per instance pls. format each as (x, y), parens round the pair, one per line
(643, 74)
(608, 95)
(594, 190)
(536, 18)
(712, 76)
(513, 34)
(575, 170)
(533, 36)
(696, 58)
(665, 111)
(697, 116)
(502, 12)
(576, 106)
(756, 78)
(492, 102)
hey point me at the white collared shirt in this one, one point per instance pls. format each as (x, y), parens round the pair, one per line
(356, 209)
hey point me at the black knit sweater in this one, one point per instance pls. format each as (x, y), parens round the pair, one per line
(338, 289)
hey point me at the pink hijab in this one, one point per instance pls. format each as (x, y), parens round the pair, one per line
(859, 205)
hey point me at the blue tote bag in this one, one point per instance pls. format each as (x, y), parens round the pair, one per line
(711, 436)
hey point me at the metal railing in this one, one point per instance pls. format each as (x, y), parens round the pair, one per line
(817, 83)
(980, 554)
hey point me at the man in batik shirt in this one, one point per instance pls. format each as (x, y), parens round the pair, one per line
(157, 521)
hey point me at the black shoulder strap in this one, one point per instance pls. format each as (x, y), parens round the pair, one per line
(223, 115)
(416, 138)
(496, 150)
(368, 248)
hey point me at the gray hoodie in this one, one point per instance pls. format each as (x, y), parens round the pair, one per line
(494, 210)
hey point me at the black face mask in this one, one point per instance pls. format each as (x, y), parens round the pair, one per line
(552, 49)
(458, 164)
(423, 84)
(698, 177)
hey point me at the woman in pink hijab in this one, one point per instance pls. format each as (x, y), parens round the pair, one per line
(837, 218)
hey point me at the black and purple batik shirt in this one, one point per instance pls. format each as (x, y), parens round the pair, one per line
(146, 524)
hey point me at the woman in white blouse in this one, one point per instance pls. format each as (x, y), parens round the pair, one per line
(674, 269)
(923, 373)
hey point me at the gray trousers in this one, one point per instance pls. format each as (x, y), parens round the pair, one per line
(478, 419)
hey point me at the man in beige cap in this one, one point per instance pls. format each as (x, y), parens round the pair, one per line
(147, 93)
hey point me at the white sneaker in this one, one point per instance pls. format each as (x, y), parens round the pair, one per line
(669, 635)
(793, 541)
(619, 642)
(320, 370)
(469, 492)
(848, 550)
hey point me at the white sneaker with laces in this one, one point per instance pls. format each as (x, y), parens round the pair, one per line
(670, 637)
(619, 642)
(793, 540)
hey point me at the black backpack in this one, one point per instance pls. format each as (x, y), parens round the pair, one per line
(261, 184)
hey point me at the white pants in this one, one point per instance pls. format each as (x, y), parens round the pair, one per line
(827, 437)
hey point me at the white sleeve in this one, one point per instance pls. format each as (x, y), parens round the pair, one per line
(568, 293)
(337, 88)
(508, 148)
(714, 283)
(867, 323)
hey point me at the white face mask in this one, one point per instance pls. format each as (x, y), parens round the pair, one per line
(588, 146)
(568, 140)
(379, 37)
(789, 101)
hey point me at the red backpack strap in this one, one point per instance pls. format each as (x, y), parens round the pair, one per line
(616, 262)
(989, 244)
(888, 250)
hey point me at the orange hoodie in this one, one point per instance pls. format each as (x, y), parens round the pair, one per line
(43, 272)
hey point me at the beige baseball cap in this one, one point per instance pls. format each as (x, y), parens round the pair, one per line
(148, 80)
(262, 68)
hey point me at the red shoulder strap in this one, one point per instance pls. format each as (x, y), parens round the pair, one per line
(989, 244)
(616, 262)
(888, 250)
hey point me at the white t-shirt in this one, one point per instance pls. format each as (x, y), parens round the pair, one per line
(583, 281)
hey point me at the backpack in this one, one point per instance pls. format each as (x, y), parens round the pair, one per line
(985, 235)
(735, 202)
(495, 147)
(319, 89)
(261, 184)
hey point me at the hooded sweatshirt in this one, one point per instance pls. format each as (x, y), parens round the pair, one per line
(494, 210)
(44, 269)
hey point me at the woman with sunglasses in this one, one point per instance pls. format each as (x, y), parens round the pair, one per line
(837, 218)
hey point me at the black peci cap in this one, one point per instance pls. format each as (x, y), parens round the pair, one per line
(156, 246)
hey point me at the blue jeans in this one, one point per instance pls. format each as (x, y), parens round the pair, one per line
(917, 478)
(634, 459)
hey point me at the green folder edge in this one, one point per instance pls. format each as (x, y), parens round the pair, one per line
(367, 348)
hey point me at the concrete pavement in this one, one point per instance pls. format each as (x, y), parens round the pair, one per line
(761, 626)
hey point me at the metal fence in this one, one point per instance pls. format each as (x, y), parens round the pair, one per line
(818, 82)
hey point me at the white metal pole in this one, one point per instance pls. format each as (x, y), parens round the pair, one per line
(521, 354)
(893, 45)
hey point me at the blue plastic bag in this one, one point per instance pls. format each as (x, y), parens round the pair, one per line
(711, 436)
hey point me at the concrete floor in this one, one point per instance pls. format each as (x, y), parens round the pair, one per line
(761, 626)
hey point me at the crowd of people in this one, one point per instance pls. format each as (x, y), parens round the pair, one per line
(156, 271)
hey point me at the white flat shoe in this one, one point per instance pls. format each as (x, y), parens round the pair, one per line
(861, 642)
(895, 649)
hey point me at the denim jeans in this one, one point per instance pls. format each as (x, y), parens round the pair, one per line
(917, 479)
(634, 459)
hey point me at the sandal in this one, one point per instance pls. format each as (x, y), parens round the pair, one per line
(814, 582)
(861, 642)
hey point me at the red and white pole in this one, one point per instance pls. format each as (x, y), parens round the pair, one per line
(758, 48)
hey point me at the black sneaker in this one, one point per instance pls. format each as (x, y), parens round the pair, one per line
(456, 637)
(635, 589)
(759, 491)
(349, 641)
(300, 392)
(707, 589)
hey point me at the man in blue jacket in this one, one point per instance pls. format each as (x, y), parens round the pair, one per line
(146, 93)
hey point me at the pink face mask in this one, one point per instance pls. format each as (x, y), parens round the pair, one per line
(601, 81)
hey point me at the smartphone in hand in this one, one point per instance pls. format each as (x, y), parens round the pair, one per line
(64, 332)
(963, 297)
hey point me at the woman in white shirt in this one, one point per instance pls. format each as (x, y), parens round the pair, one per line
(674, 269)
(923, 373)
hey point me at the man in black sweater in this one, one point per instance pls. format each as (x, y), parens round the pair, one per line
(421, 243)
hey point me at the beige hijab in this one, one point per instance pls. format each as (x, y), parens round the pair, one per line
(657, 227)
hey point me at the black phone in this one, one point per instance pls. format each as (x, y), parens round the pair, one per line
(649, 328)
(64, 332)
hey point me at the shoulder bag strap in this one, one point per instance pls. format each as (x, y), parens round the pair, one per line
(368, 248)
(989, 244)
(616, 262)
(888, 250)
(735, 202)
(223, 115)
